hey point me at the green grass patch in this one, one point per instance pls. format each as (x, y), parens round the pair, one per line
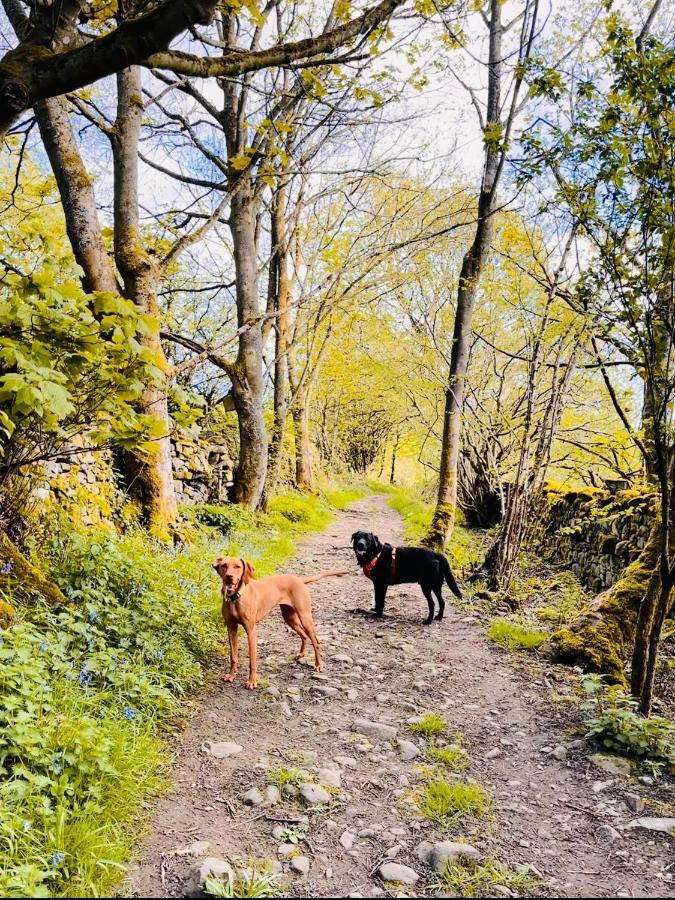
(252, 880)
(340, 497)
(430, 725)
(452, 757)
(515, 636)
(281, 776)
(85, 690)
(468, 878)
(446, 802)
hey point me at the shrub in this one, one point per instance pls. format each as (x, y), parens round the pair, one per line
(614, 722)
(514, 636)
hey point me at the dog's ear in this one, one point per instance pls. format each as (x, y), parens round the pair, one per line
(375, 541)
(354, 536)
(249, 571)
(217, 563)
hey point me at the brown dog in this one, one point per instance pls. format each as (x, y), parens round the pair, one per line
(246, 602)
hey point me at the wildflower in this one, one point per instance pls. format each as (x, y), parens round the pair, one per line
(58, 768)
(6, 567)
(26, 826)
(57, 858)
(93, 616)
(85, 678)
(129, 713)
(43, 647)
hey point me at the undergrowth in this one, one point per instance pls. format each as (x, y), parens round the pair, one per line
(515, 635)
(86, 689)
(468, 878)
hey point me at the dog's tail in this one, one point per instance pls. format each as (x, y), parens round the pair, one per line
(310, 579)
(449, 577)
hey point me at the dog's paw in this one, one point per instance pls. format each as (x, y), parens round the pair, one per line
(230, 677)
(251, 685)
(439, 617)
(428, 621)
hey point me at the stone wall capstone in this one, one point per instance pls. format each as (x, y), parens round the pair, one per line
(595, 533)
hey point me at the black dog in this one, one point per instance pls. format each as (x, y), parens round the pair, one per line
(386, 565)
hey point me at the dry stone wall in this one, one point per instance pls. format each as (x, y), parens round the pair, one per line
(595, 533)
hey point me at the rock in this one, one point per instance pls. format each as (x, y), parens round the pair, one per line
(197, 848)
(272, 794)
(253, 797)
(347, 762)
(437, 855)
(634, 803)
(392, 871)
(607, 834)
(314, 794)
(221, 749)
(331, 777)
(352, 694)
(376, 730)
(599, 786)
(211, 867)
(325, 690)
(347, 839)
(278, 832)
(290, 791)
(613, 765)
(285, 710)
(407, 750)
(300, 864)
(286, 850)
(665, 825)
(494, 753)
(559, 753)
(342, 658)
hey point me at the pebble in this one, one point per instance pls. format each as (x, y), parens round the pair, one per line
(377, 730)
(347, 839)
(300, 864)
(272, 794)
(397, 872)
(407, 750)
(559, 753)
(221, 749)
(314, 794)
(437, 855)
(211, 867)
(607, 834)
(331, 777)
(197, 848)
(494, 753)
(634, 803)
(286, 850)
(253, 797)
(347, 762)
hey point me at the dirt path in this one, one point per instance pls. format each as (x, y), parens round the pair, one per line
(563, 816)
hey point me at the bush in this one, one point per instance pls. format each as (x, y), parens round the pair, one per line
(614, 722)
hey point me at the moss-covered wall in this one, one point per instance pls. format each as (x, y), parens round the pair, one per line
(595, 533)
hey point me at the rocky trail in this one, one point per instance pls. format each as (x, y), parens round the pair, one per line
(350, 825)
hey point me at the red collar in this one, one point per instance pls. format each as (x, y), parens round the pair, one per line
(369, 566)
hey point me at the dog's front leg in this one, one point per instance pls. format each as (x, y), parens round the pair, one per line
(233, 635)
(380, 594)
(252, 636)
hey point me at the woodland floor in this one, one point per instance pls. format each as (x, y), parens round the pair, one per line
(548, 813)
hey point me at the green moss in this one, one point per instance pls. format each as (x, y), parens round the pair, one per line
(430, 725)
(513, 635)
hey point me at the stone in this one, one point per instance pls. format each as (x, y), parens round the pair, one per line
(253, 797)
(352, 694)
(196, 848)
(392, 871)
(438, 854)
(272, 794)
(607, 834)
(634, 803)
(278, 832)
(314, 794)
(613, 765)
(221, 749)
(662, 824)
(494, 753)
(342, 658)
(211, 867)
(286, 850)
(300, 864)
(347, 762)
(325, 690)
(407, 750)
(331, 777)
(347, 839)
(559, 753)
(376, 730)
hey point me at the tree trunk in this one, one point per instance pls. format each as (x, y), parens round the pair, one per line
(280, 288)
(16, 572)
(151, 475)
(601, 639)
(247, 376)
(469, 279)
(304, 474)
(77, 196)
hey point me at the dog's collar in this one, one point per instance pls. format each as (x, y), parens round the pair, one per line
(369, 566)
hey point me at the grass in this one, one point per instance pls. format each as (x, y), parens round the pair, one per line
(446, 802)
(340, 497)
(430, 725)
(452, 757)
(468, 878)
(85, 691)
(282, 776)
(247, 882)
(515, 636)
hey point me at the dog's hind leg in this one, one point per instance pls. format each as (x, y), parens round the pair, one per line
(426, 590)
(307, 623)
(293, 621)
(438, 590)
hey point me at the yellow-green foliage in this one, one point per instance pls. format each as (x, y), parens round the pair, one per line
(430, 725)
(341, 496)
(446, 802)
(86, 687)
(281, 776)
(514, 635)
(468, 878)
(452, 757)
